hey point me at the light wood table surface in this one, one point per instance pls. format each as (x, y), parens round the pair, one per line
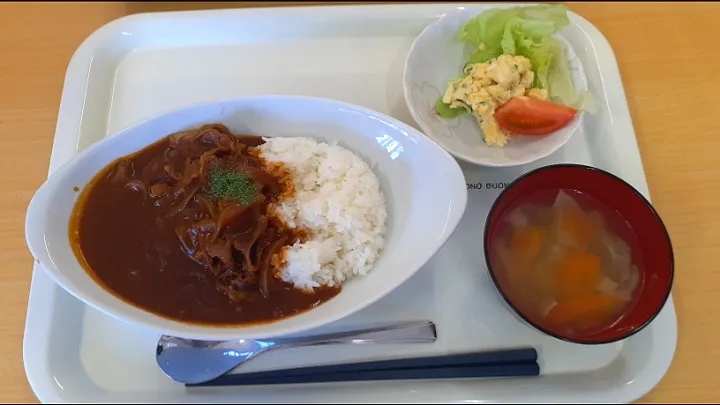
(669, 64)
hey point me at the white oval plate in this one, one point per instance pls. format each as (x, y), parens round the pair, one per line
(435, 57)
(423, 185)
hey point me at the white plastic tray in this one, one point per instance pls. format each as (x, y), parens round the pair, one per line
(141, 65)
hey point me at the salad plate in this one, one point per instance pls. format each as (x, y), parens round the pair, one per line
(444, 51)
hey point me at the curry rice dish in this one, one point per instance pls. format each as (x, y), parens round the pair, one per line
(208, 227)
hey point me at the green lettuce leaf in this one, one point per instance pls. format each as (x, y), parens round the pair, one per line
(541, 57)
(487, 28)
(557, 14)
(445, 111)
(484, 55)
(560, 79)
(491, 26)
(524, 31)
(527, 31)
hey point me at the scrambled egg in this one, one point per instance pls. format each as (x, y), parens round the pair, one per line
(490, 85)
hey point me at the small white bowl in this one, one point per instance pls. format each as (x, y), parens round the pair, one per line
(423, 185)
(435, 57)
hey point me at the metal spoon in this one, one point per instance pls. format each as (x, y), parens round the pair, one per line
(196, 361)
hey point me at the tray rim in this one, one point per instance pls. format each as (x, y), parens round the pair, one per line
(40, 378)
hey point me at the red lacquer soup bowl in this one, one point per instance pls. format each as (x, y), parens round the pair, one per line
(652, 245)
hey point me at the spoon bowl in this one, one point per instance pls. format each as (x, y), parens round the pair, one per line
(196, 361)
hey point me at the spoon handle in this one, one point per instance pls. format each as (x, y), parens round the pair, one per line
(415, 332)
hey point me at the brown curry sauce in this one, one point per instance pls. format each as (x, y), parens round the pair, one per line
(146, 229)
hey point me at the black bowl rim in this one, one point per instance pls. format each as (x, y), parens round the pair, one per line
(533, 324)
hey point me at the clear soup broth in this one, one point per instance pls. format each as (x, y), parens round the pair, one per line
(568, 262)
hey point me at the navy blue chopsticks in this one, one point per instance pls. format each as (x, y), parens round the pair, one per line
(501, 363)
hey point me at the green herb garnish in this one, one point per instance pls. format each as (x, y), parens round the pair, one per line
(230, 185)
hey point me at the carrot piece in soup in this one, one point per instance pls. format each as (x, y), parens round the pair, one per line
(527, 242)
(577, 275)
(584, 312)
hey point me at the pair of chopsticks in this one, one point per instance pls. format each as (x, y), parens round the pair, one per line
(491, 364)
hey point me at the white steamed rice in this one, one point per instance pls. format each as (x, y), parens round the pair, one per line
(339, 200)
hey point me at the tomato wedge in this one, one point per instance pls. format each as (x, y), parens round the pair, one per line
(528, 116)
